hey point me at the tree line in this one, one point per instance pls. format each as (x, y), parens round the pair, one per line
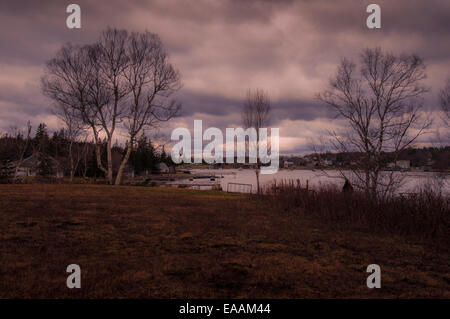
(76, 158)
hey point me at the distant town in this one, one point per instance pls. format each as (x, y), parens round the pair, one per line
(425, 159)
(417, 159)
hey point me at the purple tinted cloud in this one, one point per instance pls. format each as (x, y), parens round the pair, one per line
(222, 48)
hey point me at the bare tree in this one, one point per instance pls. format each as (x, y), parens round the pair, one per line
(382, 103)
(444, 97)
(256, 114)
(73, 129)
(110, 61)
(122, 82)
(152, 80)
(72, 81)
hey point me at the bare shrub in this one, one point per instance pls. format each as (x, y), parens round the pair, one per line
(423, 216)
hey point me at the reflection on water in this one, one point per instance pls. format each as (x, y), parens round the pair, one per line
(315, 178)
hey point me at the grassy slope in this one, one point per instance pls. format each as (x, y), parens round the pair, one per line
(168, 243)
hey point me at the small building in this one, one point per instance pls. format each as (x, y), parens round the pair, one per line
(400, 164)
(326, 162)
(163, 168)
(30, 167)
(288, 164)
(404, 164)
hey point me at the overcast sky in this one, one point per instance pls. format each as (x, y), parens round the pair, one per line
(224, 47)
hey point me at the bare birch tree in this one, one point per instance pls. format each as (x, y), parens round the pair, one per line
(111, 61)
(72, 81)
(121, 82)
(152, 80)
(256, 114)
(382, 103)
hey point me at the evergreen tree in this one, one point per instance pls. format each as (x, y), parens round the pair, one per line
(42, 144)
(41, 138)
(45, 165)
(164, 158)
(143, 157)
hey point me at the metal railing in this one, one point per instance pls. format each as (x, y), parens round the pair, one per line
(239, 188)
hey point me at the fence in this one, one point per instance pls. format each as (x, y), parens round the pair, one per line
(239, 188)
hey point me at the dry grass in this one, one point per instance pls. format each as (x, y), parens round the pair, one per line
(423, 216)
(167, 243)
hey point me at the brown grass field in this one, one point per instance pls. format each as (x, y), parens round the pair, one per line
(142, 242)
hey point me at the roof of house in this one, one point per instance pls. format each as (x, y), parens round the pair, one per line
(163, 166)
(33, 161)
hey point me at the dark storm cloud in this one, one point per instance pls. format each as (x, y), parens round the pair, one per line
(207, 104)
(300, 109)
(25, 100)
(222, 48)
(284, 109)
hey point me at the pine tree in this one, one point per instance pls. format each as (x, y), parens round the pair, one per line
(45, 165)
(41, 138)
(143, 157)
(42, 143)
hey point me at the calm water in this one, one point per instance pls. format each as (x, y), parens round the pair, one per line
(412, 181)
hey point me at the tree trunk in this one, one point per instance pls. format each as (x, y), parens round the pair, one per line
(258, 189)
(98, 153)
(71, 161)
(122, 165)
(367, 183)
(110, 164)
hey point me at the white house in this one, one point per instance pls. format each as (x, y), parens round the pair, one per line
(30, 165)
(327, 162)
(402, 164)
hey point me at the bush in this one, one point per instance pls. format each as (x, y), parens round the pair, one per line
(423, 216)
